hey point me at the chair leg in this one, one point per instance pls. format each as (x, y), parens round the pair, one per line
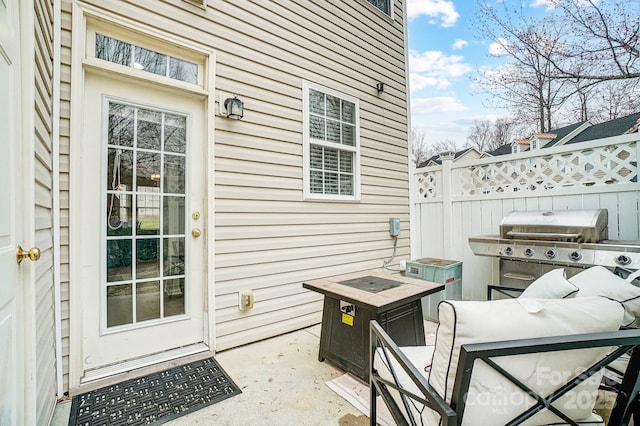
(373, 410)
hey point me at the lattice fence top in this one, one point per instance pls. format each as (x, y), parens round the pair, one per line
(588, 166)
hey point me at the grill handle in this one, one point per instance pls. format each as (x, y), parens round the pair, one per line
(545, 235)
(521, 277)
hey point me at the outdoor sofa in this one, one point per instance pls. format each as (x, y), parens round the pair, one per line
(534, 360)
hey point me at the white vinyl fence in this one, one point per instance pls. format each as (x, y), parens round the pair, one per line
(456, 201)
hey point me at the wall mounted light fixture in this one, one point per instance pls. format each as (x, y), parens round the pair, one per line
(380, 88)
(231, 107)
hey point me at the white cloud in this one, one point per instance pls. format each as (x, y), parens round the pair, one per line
(444, 10)
(549, 4)
(437, 63)
(497, 48)
(419, 82)
(459, 44)
(436, 104)
(434, 69)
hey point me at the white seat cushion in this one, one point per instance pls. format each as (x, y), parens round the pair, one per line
(493, 397)
(420, 357)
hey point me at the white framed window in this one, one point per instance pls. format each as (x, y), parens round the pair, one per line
(385, 6)
(331, 144)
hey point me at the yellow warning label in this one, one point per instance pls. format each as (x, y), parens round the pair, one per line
(347, 319)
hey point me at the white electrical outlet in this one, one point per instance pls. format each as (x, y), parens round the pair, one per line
(245, 300)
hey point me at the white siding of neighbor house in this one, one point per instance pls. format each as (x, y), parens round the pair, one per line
(41, 301)
(268, 239)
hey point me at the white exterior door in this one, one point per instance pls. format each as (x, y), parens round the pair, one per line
(11, 274)
(143, 191)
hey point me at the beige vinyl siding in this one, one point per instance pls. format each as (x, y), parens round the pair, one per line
(65, 126)
(268, 239)
(42, 300)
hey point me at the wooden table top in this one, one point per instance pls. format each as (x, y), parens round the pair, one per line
(409, 289)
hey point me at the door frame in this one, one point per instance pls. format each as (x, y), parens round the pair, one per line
(81, 14)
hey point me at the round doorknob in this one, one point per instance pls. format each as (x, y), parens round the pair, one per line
(33, 254)
(195, 232)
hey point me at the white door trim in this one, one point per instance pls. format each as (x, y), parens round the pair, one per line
(81, 12)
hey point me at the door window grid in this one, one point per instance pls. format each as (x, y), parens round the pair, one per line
(130, 55)
(145, 261)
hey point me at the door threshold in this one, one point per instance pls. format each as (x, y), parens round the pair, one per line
(148, 361)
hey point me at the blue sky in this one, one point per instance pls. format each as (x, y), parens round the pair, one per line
(445, 54)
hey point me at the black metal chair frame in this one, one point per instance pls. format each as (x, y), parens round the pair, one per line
(504, 290)
(627, 399)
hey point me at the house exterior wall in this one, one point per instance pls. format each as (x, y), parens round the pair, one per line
(41, 301)
(268, 238)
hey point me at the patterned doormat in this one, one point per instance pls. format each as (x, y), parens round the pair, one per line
(156, 398)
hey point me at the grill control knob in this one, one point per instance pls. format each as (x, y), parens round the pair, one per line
(550, 254)
(508, 251)
(623, 260)
(575, 256)
(529, 252)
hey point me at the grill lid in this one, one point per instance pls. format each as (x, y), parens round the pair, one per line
(582, 226)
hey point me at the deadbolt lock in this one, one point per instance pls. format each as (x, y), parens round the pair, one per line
(195, 215)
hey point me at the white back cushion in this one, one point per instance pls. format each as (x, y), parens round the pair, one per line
(495, 398)
(599, 281)
(552, 285)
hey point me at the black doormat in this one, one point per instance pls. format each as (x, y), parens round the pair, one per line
(156, 398)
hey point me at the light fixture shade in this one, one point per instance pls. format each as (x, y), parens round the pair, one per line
(234, 107)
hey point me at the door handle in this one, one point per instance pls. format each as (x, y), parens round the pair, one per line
(33, 254)
(195, 232)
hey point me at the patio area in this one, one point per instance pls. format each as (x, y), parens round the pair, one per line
(282, 383)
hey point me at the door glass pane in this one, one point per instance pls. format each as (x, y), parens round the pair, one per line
(148, 301)
(148, 209)
(173, 257)
(175, 133)
(119, 260)
(121, 125)
(119, 305)
(148, 258)
(149, 129)
(120, 169)
(119, 211)
(174, 174)
(174, 297)
(173, 214)
(146, 221)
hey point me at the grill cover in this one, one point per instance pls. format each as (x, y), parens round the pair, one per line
(582, 226)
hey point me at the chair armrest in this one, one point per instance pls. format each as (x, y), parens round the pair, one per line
(430, 398)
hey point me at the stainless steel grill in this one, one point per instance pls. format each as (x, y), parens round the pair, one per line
(532, 243)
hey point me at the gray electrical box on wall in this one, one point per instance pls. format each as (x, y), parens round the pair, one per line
(394, 226)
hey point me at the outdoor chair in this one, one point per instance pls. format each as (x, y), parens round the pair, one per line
(506, 362)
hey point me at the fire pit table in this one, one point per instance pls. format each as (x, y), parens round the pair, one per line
(352, 300)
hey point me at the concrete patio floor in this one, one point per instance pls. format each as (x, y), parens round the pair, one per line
(282, 383)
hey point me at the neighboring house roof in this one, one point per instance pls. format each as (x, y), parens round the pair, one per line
(616, 127)
(435, 160)
(580, 132)
(501, 150)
